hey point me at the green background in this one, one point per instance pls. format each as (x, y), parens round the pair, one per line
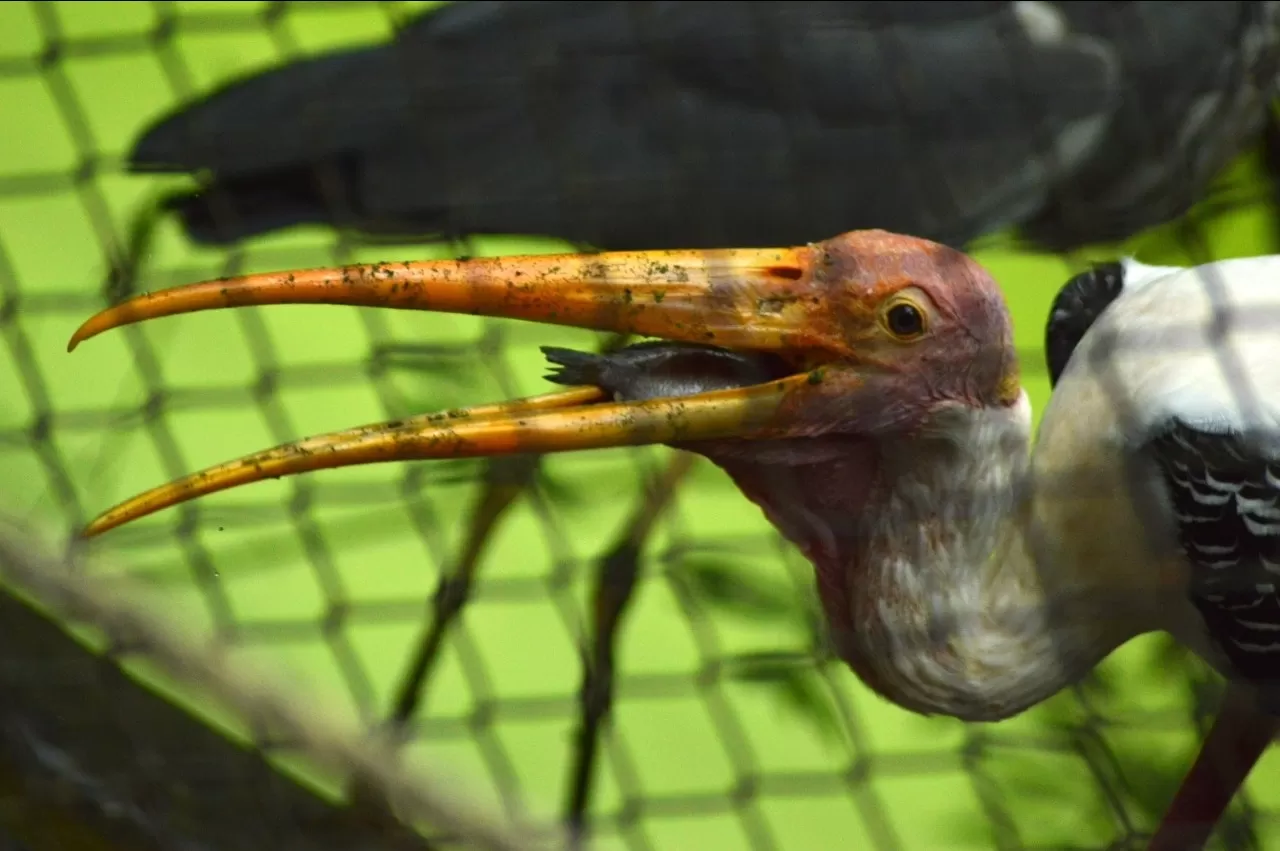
(834, 766)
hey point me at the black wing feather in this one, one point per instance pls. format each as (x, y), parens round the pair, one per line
(1226, 500)
(639, 125)
(698, 124)
(1074, 310)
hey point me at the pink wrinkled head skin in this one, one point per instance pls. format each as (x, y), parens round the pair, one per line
(816, 483)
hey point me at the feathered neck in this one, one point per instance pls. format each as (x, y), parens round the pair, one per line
(948, 611)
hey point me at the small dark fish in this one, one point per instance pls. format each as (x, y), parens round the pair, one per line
(658, 369)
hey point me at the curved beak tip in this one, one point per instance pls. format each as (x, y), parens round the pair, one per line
(86, 331)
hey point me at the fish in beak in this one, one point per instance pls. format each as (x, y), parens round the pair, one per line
(832, 330)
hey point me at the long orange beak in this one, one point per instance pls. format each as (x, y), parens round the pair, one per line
(756, 300)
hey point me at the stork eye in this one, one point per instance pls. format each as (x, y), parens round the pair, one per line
(904, 321)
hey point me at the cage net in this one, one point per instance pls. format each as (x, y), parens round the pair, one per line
(459, 614)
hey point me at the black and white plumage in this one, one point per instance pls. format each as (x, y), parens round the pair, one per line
(697, 124)
(1226, 501)
(1074, 310)
(1187, 357)
(1174, 370)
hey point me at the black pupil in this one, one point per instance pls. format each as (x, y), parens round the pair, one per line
(905, 320)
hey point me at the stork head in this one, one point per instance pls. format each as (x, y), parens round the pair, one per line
(856, 343)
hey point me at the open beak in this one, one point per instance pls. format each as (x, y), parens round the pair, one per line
(753, 300)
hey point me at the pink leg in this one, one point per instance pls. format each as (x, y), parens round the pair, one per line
(1238, 738)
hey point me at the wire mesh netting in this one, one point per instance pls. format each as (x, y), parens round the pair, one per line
(730, 726)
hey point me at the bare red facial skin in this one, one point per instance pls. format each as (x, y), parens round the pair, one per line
(814, 492)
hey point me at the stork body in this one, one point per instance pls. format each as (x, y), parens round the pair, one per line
(865, 393)
(1177, 366)
(696, 124)
(1179, 377)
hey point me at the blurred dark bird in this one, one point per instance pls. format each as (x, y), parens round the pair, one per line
(696, 124)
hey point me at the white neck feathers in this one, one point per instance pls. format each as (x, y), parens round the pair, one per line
(950, 615)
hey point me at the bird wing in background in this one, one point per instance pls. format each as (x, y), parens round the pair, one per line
(649, 125)
(1197, 82)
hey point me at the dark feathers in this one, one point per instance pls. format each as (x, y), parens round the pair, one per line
(657, 124)
(1226, 501)
(1078, 305)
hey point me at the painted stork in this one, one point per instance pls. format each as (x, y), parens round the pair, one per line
(694, 124)
(865, 393)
